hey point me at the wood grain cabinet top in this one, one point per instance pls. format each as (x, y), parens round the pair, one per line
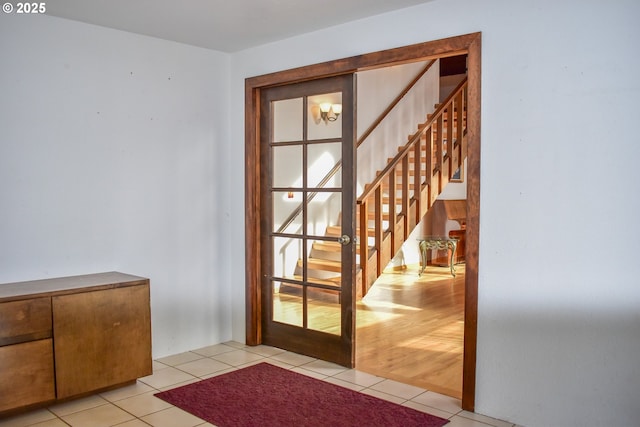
(65, 285)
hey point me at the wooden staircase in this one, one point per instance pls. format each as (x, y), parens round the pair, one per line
(393, 204)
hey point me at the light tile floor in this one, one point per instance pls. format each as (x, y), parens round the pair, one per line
(135, 405)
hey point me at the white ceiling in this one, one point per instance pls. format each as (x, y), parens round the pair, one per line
(224, 25)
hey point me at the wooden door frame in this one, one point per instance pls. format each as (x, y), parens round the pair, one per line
(469, 44)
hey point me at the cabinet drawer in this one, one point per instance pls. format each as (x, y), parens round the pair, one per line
(26, 374)
(25, 320)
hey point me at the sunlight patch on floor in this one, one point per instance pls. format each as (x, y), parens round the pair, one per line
(373, 305)
(367, 318)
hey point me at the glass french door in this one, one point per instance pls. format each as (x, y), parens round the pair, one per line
(308, 203)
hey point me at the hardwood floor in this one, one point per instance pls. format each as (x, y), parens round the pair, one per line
(410, 329)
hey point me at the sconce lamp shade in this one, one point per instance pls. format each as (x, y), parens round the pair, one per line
(329, 112)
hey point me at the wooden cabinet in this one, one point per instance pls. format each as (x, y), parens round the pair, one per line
(67, 337)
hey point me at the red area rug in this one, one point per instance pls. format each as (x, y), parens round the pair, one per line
(265, 395)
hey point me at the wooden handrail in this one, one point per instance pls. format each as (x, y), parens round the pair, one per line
(393, 103)
(441, 108)
(412, 140)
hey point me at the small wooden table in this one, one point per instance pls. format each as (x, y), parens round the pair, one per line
(437, 242)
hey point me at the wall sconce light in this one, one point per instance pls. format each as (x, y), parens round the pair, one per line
(329, 112)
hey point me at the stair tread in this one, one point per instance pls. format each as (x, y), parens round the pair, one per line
(328, 246)
(333, 282)
(337, 247)
(336, 230)
(322, 264)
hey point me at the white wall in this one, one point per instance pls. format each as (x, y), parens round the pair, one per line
(110, 160)
(558, 317)
(153, 186)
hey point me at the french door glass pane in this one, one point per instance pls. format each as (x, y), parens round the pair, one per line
(287, 166)
(287, 303)
(286, 253)
(324, 310)
(287, 215)
(287, 120)
(323, 212)
(322, 159)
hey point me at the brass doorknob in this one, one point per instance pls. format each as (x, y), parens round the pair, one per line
(344, 240)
